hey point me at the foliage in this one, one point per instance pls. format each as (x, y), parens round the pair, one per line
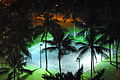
(15, 69)
(99, 75)
(62, 43)
(63, 76)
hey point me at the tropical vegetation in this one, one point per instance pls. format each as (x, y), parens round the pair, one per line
(98, 19)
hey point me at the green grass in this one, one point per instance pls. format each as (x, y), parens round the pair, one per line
(37, 75)
(110, 70)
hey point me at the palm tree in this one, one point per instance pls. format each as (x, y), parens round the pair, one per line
(16, 33)
(92, 46)
(62, 43)
(49, 26)
(112, 36)
(45, 8)
(16, 67)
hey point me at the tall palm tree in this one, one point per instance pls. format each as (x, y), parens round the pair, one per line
(93, 46)
(112, 36)
(62, 43)
(16, 33)
(49, 26)
(45, 8)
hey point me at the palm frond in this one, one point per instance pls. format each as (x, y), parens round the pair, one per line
(10, 76)
(101, 50)
(43, 36)
(70, 48)
(50, 48)
(23, 64)
(106, 42)
(81, 32)
(66, 42)
(66, 37)
(37, 31)
(26, 52)
(83, 50)
(101, 39)
(104, 54)
(28, 71)
(51, 42)
(4, 71)
(80, 43)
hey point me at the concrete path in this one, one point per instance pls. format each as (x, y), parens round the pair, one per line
(68, 62)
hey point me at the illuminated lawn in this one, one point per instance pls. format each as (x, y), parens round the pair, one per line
(110, 70)
(37, 75)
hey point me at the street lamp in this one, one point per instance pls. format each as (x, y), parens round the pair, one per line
(78, 59)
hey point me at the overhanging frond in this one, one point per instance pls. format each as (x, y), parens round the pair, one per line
(83, 50)
(50, 48)
(80, 43)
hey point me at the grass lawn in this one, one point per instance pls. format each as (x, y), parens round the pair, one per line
(37, 75)
(110, 70)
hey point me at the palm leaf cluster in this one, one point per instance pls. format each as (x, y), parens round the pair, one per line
(63, 76)
(16, 67)
(62, 43)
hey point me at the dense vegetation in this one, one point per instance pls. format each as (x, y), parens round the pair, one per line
(98, 18)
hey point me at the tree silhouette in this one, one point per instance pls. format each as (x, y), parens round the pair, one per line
(62, 43)
(93, 46)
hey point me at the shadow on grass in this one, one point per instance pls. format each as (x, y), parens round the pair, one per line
(25, 76)
(112, 63)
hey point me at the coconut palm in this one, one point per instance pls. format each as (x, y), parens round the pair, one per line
(92, 46)
(45, 8)
(49, 26)
(62, 43)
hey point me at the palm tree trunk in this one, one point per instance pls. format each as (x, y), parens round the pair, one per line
(79, 63)
(59, 58)
(60, 65)
(46, 52)
(101, 57)
(40, 56)
(91, 64)
(117, 56)
(18, 74)
(110, 53)
(14, 67)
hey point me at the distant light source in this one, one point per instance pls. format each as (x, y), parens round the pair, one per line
(56, 5)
